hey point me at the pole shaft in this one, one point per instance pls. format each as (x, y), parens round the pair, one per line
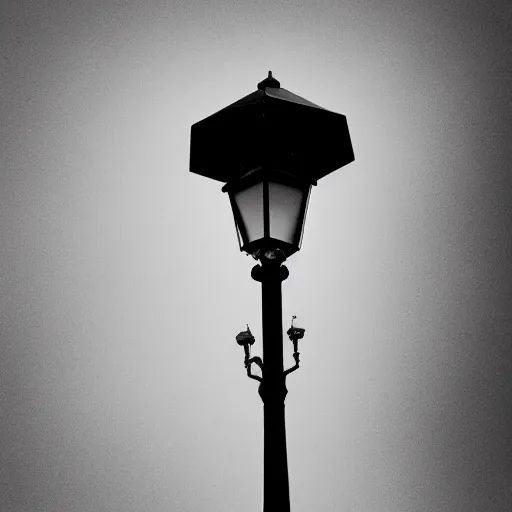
(271, 303)
(276, 494)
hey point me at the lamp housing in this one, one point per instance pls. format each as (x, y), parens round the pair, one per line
(269, 148)
(245, 338)
(269, 207)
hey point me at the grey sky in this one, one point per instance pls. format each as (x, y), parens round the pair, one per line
(121, 385)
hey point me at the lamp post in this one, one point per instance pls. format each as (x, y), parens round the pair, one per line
(270, 148)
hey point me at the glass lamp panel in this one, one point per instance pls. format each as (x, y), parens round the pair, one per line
(307, 192)
(249, 202)
(285, 209)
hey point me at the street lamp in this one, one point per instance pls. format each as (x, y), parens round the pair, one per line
(270, 148)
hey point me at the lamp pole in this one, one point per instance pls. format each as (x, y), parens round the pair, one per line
(272, 389)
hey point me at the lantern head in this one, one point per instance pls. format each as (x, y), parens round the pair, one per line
(269, 208)
(269, 148)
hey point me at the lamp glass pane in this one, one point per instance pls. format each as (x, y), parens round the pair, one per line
(250, 205)
(285, 203)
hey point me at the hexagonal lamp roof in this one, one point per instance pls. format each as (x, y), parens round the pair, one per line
(271, 127)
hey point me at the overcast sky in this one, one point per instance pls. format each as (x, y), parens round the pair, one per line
(122, 388)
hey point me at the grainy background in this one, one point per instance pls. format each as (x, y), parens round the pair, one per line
(121, 386)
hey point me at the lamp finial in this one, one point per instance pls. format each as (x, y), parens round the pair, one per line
(270, 81)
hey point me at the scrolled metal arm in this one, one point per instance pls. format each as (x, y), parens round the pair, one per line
(248, 362)
(296, 366)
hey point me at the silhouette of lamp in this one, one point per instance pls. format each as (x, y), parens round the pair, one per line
(295, 334)
(269, 148)
(245, 339)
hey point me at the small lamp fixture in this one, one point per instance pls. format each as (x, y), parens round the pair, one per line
(245, 339)
(295, 334)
